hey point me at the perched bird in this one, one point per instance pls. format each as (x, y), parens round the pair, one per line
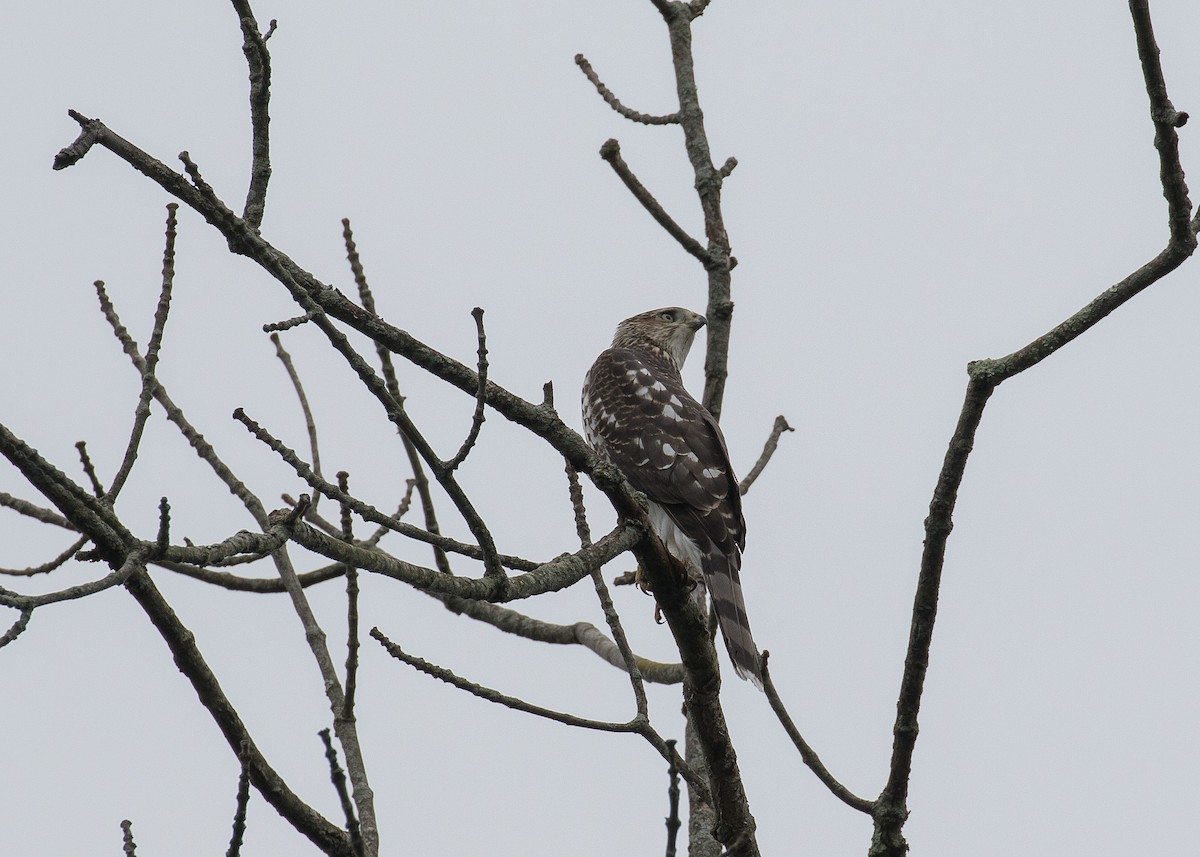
(638, 416)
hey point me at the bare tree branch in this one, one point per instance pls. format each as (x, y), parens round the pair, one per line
(258, 58)
(89, 469)
(366, 511)
(781, 425)
(611, 152)
(639, 725)
(46, 567)
(338, 778)
(30, 510)
(480, 400)
(580, 633)
(673, 822)
(352, 644)
(17, 628)
(141, 413)
(239, 814)
(496, 696)
(388, 370)
(128, 845)
(807, 754)
(310, 424)
(985, 375)
(551, 576)
(614, 102)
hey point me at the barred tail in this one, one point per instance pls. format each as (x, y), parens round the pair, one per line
(725, 589)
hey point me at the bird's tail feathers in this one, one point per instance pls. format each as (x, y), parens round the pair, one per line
(725, 588)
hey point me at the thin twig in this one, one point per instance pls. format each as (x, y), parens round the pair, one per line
(480, 400)
(352, 644)
(141, 413)
(164, 527)
(257, 585)
(17, 628)
(611, 152)
(132, 563)
(575, 490)
(673, 822)
(30, 510)
(46, 567)
(242, 804)
(579, 633)
(345, 727)
(807, 755)
(388, 370)
(496, 696)
(338, 777)
(287, 324)
(781, 425)
(552, 576)
(127, 843)
(193, 172)
(365, 510)
(88, 468)
(614, 102)
(175, 414)
(1166, 119)
(258, 58)
(310, 424)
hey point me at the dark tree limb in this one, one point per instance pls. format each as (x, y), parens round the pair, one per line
(49, 566)
(673, 822)
(985, 375)
(17, 628)
(352, 644)
(310, 424)
(338, 777)
(580, 633)
(388, 370)
(89, 469)
(639, 725)
(777, 430)
(141, 413)
(807, 754)
(258, 58)
(128, 846)
(477, 418)
(611, 152)
(615, 103)
(366, 511)
(241, 805)
(37, 513)
(552, 576)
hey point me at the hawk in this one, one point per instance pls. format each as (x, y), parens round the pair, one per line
(638, 416)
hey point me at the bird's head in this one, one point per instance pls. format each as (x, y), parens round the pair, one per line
(670, 330)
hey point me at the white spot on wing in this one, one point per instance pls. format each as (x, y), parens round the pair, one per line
(671, 413)
(712, 472)
(674, 400)
(657, 386)
(668, 449)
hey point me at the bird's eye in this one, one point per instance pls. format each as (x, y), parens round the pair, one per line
(667, 315)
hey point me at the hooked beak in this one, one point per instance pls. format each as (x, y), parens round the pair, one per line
(697, 322)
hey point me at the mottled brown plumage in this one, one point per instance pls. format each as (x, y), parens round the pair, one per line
(637, 414)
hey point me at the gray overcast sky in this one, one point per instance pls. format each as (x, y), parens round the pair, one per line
(919, 185)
